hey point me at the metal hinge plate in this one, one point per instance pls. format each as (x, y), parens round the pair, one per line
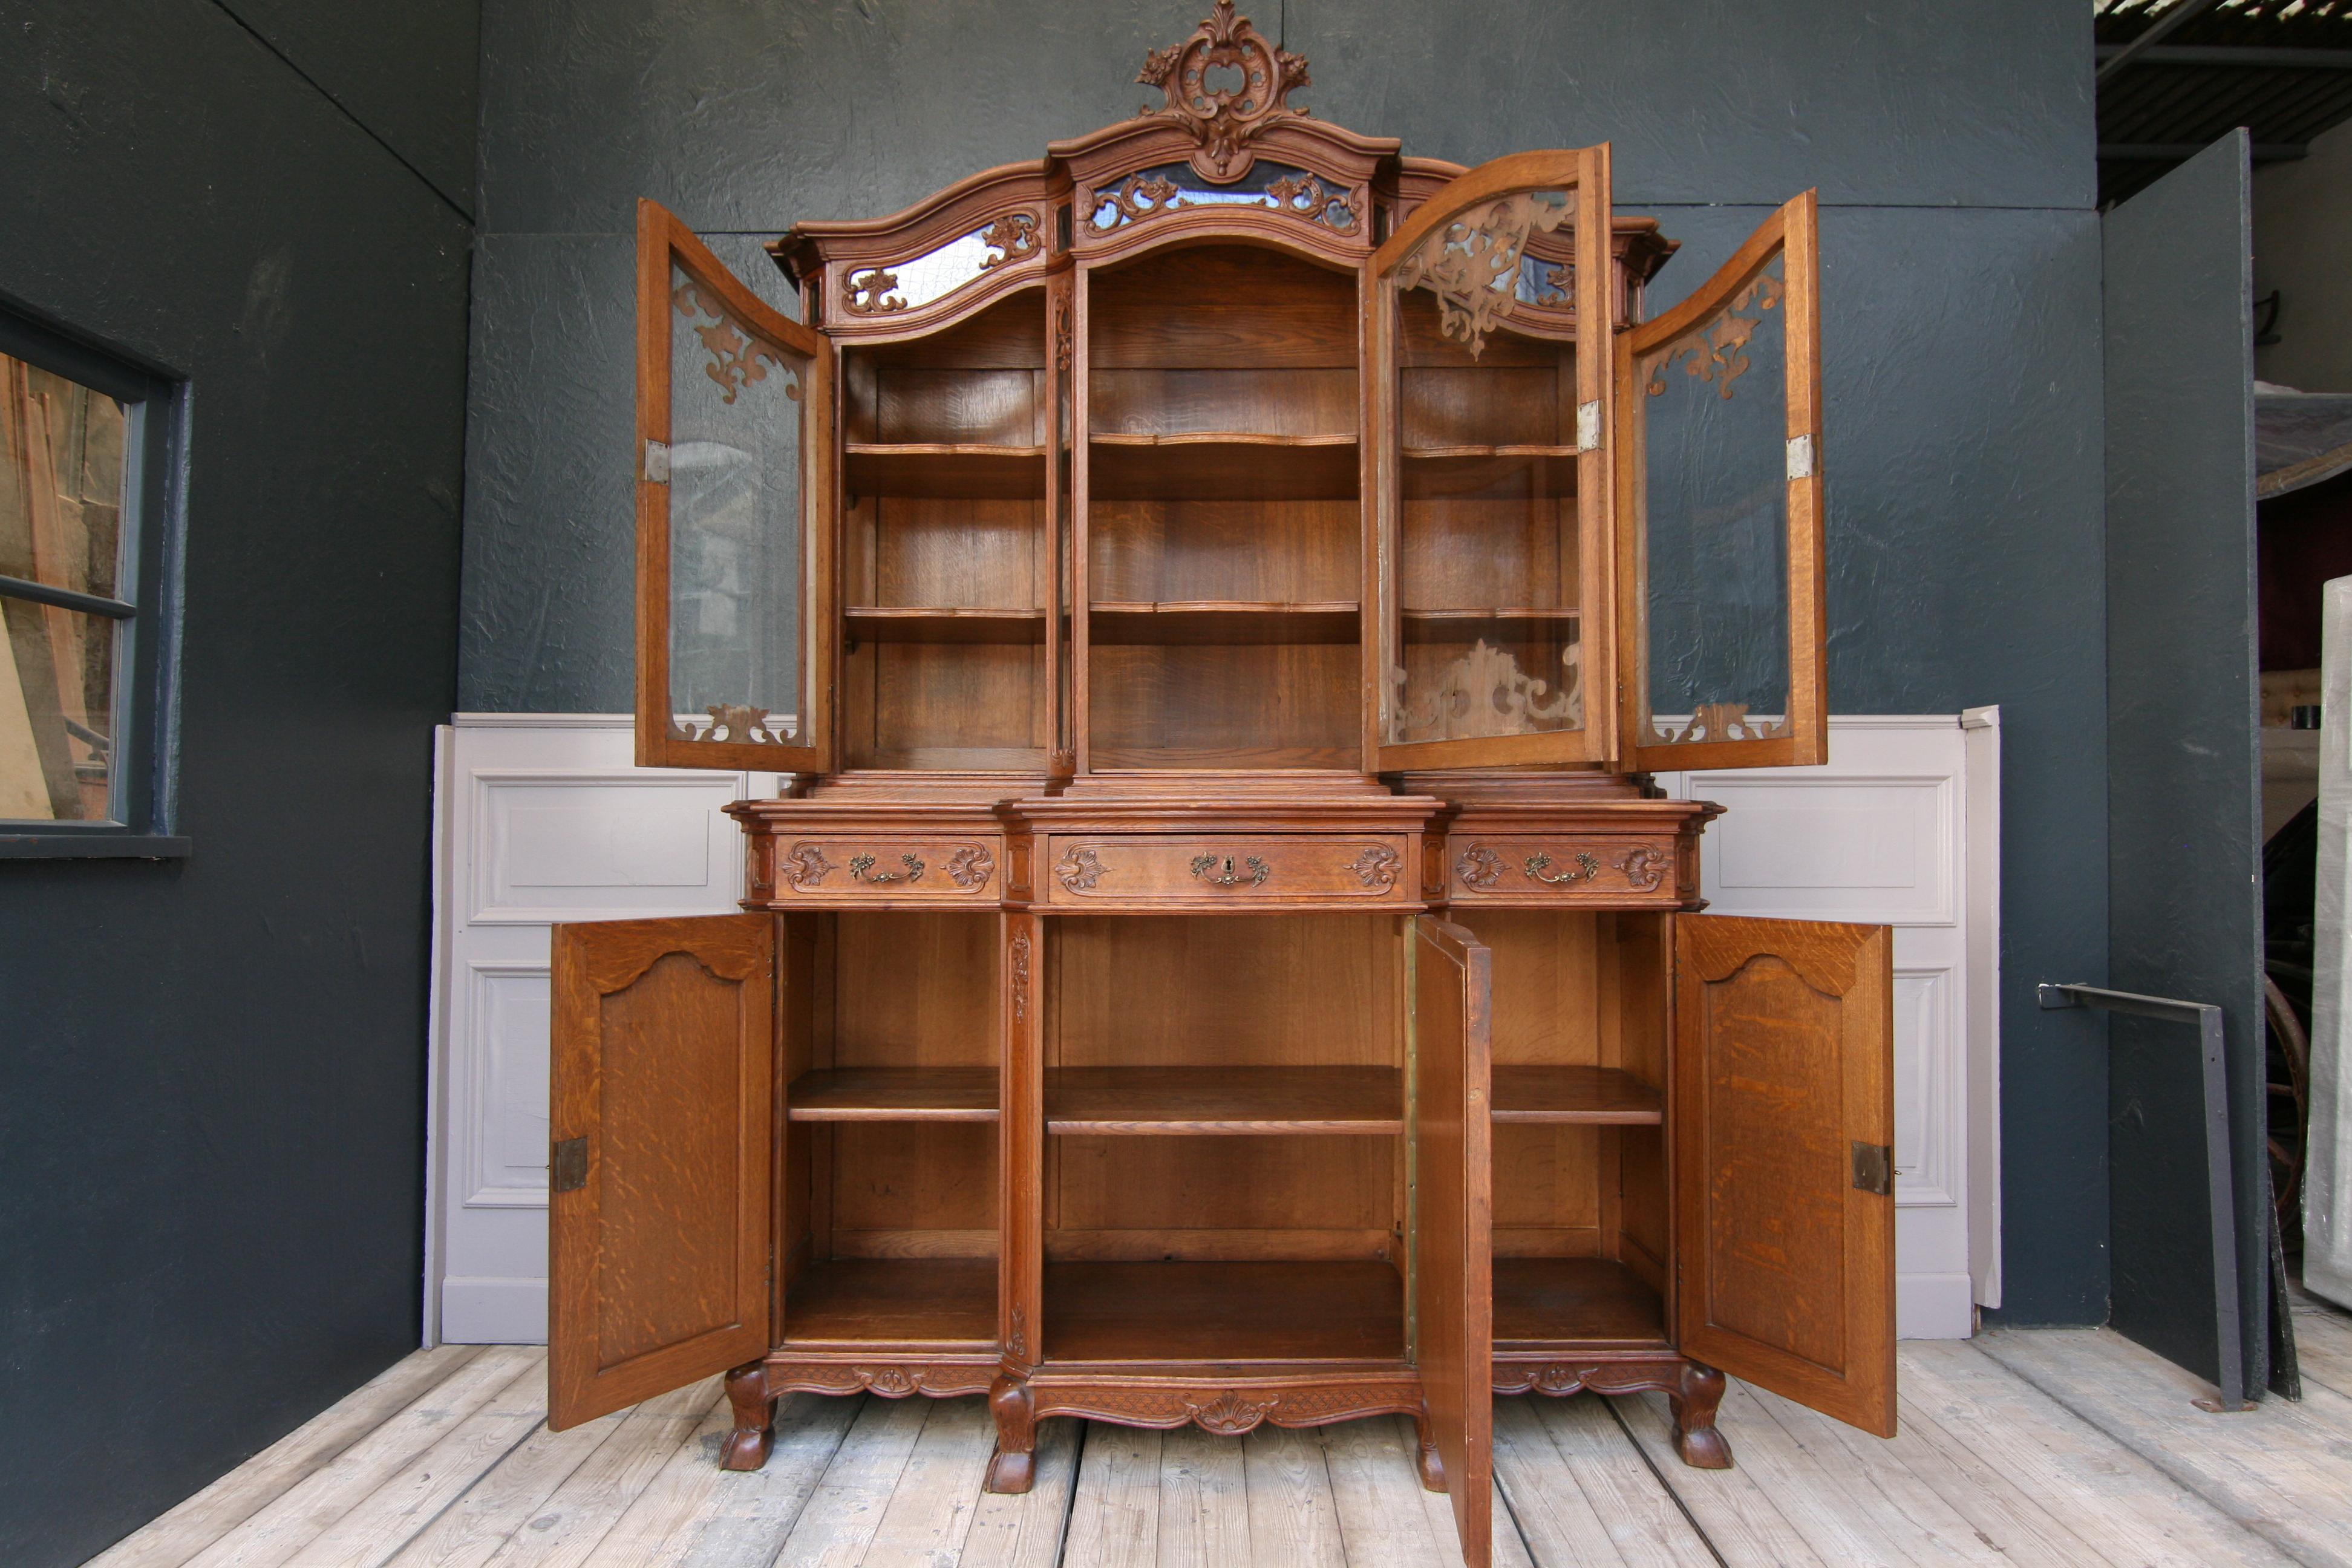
(1874, 1169)
(658, 462)
(567, 1166)
(1587, 425)
(1801, 456)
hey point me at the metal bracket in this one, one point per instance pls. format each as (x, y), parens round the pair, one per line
(1801, 456)
(656, 462)
(1874, 1169)
(567, 1166)
(2220, 1187)
(1587, 425)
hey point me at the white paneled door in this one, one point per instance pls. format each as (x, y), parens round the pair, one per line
(540, 818)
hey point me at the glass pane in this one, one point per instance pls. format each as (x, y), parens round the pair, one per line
(60, 481)
(1268, 187)
(937, 273)
(1488, 638)
(1712, 490)
(738, 532)
(57, 714)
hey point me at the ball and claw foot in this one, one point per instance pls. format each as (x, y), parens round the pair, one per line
(755, 1419)
(1014, 1469)
(1695, 1439)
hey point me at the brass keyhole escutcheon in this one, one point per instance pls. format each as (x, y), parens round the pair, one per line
(1223, 874)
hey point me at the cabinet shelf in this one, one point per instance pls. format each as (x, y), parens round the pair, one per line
(1547, 1302)
(1499, 472)
(1599, 1095)
(943, 624)
(1514, 623)
(1222, 465)
(1223, 1312)
(1207, 621)
(944, 468)
(1098, 1101)
(893, 1094)
(945, 1301)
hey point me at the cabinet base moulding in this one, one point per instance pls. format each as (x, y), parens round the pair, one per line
(1693, 1391)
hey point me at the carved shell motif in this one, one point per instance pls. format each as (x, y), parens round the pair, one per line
(1377, 867)
(1644, 867)
(1478, 868)
(806, 866)
(970, 866)
(1229, 1415)
(1080, 870)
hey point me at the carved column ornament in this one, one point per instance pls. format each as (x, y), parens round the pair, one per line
(1020, 990)
(1225, 83)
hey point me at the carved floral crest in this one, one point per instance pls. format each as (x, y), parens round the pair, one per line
(1225, 83)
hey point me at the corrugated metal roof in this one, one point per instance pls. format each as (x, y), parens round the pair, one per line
(2282, 68)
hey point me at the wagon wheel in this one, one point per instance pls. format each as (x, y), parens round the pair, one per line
(2290, 1109)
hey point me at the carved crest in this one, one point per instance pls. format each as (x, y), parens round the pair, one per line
(1225, 83)
(1472, 264)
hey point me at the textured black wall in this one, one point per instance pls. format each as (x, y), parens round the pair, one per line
(1953, 149)
(212, 1070)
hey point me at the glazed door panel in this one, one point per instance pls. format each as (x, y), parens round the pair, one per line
(1486, 394)
(1453, 1217)
(659, 1190)
(734, 464)
(1783, 1116)
(1719, 451)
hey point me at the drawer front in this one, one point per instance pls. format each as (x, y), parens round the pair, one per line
(1227, 870)
(870, 869)
(1539, 868)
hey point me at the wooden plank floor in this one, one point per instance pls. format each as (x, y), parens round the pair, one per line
(2067, 1447)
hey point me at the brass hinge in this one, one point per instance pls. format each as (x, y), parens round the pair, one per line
(567, 1166)
(658, 462)
(1874, 1169)
(1587, 425)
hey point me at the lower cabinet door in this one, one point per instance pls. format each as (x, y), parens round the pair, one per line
(1452, 1217)
(1783, 1125)
(663, 1121)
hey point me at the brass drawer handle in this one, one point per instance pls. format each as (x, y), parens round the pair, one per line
(1587, 868)
(1208, 868)
(861, 870)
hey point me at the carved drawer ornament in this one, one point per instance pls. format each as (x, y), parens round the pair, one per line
(1485, 692)
(1478, 868)
(1586, 869)
(806, 866)
(1207, 868)
(1720, 722)
(1224, 84)
(969, 867)
(740, 724)
(1377, 867)
(1472, 264)
(737, 360)
(1645, 868)
(1716, 351)
(1080, 870)
(861, 870)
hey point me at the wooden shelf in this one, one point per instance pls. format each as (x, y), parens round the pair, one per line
(1603, 1095)
(893, 1300)
(1442, 473)
(893, 1094)
(1207, 621)
(1542, 1303)
(1222, 465)
(1515, 623)
(1222, 1312)
(1098, 1101)
(944, 468)
(941, 624)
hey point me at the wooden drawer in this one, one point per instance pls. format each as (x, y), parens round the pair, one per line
(859, 869)
(1615, 869)
(1227, 870)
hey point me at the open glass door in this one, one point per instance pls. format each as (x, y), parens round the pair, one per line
(662, 1141)
(734, 485)
(1719, 533)
(1452, 1220)
(1783, 1149)
(1487, 402)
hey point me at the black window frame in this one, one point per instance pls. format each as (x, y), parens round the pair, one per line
(145, 751)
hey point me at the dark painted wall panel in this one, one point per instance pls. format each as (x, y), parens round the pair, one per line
(2185, 804)
(212, 1071)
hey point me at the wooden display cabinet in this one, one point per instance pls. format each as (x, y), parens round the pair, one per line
(1218, 592)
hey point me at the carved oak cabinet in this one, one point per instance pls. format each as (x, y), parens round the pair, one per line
(1217, 592)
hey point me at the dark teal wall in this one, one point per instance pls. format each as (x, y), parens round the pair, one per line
(212, 1070)
(1953, 149)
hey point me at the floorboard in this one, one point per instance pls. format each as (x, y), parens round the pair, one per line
(2070, 1448)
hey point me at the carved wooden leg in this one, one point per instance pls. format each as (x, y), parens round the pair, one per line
(1695, 1438)
(755, 1418)
(1432, 1468)
(1015, 1467)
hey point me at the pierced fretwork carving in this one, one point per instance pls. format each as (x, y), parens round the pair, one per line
(1485, 692)
(1716, 351)
(737, 359)
(868, 292)
(969, 867)
(741, 724)
(1339, 211)
(1472, 264)
(1720, 722)
(1225, 116)
(1478, 868)
(1377, 867)
(1080, 870)
(1012, 237)
(1135, 198)
(1645, 868)
(806, 866)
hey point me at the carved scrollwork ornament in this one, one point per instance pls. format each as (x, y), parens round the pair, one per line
(737, 360)
(969, 867)
(1229, 1416)
(1485, 692)
(1080, 870)
(1472, 264)
(1478, 866)
(1019, 1010)
(1645, 868)
(1194, 76)
(1340, 211)
(1133, 199)
(735, 723)
(806, 867)
(1377, 867)
(1720, 722)
(868, 292)
(1716, 351)
(1011, 237)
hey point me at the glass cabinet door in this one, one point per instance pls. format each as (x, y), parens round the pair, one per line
(734, 466)
(1487, 401)
(1719, 532)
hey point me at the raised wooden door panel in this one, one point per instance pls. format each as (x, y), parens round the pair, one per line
(734, 459)
(661, 1128)
(1721, 627)
(1453, 1216)
(1783, 1126)
(1486, 414)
